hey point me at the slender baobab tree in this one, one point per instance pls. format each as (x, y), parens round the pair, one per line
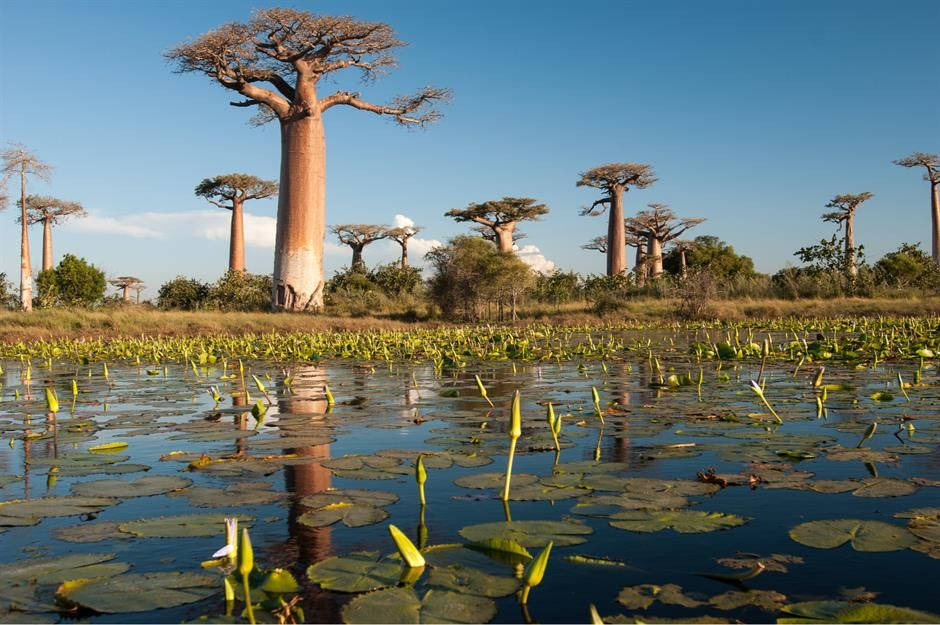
(500, 218)
(49, 211)
(598, 244)
(845, 206)
(614, 179)
(231, 191)
(401, 235)
(682, 246)
(291, 51)
(636, 238)
(931, 165)
(137, 289)
(659, 225)
(18, 161)
(357, 236)
(126, 283)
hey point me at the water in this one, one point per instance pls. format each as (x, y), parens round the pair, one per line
(407, 407)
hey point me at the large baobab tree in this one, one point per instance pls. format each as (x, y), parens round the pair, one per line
(931, 165)
(49, 211)
(357, 236)
(845, 206)
(402, 235)
(231, 191)
(614, 179)
(500, 217)
(126, 283)
(659, 225)
(290, 51)
(18, 161)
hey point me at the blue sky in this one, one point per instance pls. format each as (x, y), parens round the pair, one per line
(753, 114)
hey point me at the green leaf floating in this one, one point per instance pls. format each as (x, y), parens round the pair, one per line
(847, 612)
(642, 596)
(234, 496)
(141, 487)
(180, 526)
(766, 600)
(924, 523)
(683, 521)
(66, 505)
(502, 550)
(402, 605)
(495, 480)
(139, 592)
(530, 533)
(356, 572)
(355, 508)
(61, 568)
(472, 581)
(862, 535)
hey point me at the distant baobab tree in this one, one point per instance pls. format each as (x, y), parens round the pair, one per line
(635, 237)
(292, 50)
(231, 191)
(682, 246)
(614, 179)
(597, 244)
(659, 225)
(845, 206)
(931, 165)
(357, 236)
(402, 235)
(126, 283)
(49, 211)
(500, 217)
(18, 161)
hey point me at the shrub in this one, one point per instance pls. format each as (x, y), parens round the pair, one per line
(908, 266)
(695, 294)
(9, 298)
(241, 291)
(393, 279)
(74, 283)
(557, 287)
(182, 293)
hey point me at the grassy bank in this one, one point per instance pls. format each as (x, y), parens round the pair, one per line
(133, 321)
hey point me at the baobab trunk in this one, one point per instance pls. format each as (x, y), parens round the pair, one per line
(682, 262)
(26, 272)
(236, 245)
(616, 237)
(655, 255)
(301, 213)
(126, 296)
(850, 247)
(357, 262)
(935, 212)
(404, 255)
(46, 245)
(640, 265)
(504, 238)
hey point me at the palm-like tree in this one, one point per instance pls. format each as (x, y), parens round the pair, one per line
(846, 205)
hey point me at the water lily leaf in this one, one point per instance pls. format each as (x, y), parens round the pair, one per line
(91, 532)
(141, 487)
(66, 505)
(775, 562)
(402, 605)
(17, 521)
(882, 396)
(862, 535)
(642, 596)
(108, 447)
(530, 533)
(847, 612)
(472, 581)
(234, 496)
(376, 498)
(181, 526)
(502, 549)
(351, 514)
(766, 600)
(543, 492)
(607, 505)
(495, 480)
(683, 521)
(884, 487)
(356, 572)
(279, 582)
(860, 455)
(135, 592)
(61, 568)
(924, 523)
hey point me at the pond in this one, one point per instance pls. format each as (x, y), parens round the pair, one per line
(690, 500)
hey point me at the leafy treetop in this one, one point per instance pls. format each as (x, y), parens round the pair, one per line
(495, 213)
(931, 162)
(660, 223)
(235, 188)
(845, 206)
(359, 235)
(614, 178)
(41, 208)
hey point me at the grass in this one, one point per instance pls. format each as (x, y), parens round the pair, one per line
(137, 321)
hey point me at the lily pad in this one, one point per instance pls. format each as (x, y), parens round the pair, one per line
(847, 612)
(234, 496)
(862, 535)
(495, 480)
(472, 581)
(180, 526)
(766, 600)
(683, 521)
(402, 605)
(141, 487)
(66, 505)
(61, 568)
(775, 562)
(641, 597)
(135, 592)
(530, 533)
(356, 572)
(355, 508)
(91, 532)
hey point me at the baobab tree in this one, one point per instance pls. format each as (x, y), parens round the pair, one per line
(614, 179)
(635, 237)
(490, 235)
(49, 211)
(126, 283)
(931, 165)
(291, 51)
(357, 236)
(682, 246)
(231, 191)
(597, 244)
(18, 161)
(500, 218)
(845, 206)
(401, 235)
(659, 225)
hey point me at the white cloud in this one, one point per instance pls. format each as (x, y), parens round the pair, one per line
(400, 221)
(100, 224)
(533, 257)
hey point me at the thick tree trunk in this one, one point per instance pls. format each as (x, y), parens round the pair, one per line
(236, 244)
(850, 263)
(935, 213)
(640, 265)
(616, 236)
(26, 272)
(301, 215)
(404, 254)
(682, 263)
(46, 244)
(126, 296)
(654, 250)
(504, 237)
(357, 262)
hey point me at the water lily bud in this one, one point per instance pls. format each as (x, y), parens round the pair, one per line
(409, 553)
(52, 400)
(515, 424)
(258, 410)
(246, 556)
(550, 416)
(258, 383)
(74, 389)
(329, 395)
(817, 381)
(595, 617)
(535, 569)
(421, 475)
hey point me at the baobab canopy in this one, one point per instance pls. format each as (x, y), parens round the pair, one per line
(500, 217)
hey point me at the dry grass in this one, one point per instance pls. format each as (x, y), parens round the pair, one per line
(134, 321)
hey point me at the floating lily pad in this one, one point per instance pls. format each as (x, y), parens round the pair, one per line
(402, 605)
(136, 592)
(495, 480)
(775, 562)
(141, 487)
(354, 507)
(607, 505)
(847, 612)
(642, 596)
(683, 521)
(472, 581)
(91, 532)
(181, 526)
(66, 505)
(502, 549)
(61, 568)
(862, 535)
(766, 600)
(234, 496)
(356, 572)
(530, 533)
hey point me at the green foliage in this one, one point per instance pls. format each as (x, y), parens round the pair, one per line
(557, 288)
(8, 295)
(711, 253)
(393, 279)
(73, 283)
(908, 266)
(240, 291)
(470, 274)
(182, 293)
(829, 255)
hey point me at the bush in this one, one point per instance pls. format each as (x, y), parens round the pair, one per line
(73, 283)
(9, 298)
(694, 295)
(393, 279)
(557, 287)
(907, 267)
(241, 291)
(182, 293)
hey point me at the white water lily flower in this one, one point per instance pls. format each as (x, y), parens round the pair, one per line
(231, 538)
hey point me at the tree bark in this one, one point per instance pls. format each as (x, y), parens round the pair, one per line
(935, 213)
(654, 249)
(616, 236)
(357, 262)
(640, 265)
(236, 245)
(404, 254)
(46, 244)
(682, 262)
(126, 297)
(26, 272)
(301, 214)
(850, 262)
(504, 237)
